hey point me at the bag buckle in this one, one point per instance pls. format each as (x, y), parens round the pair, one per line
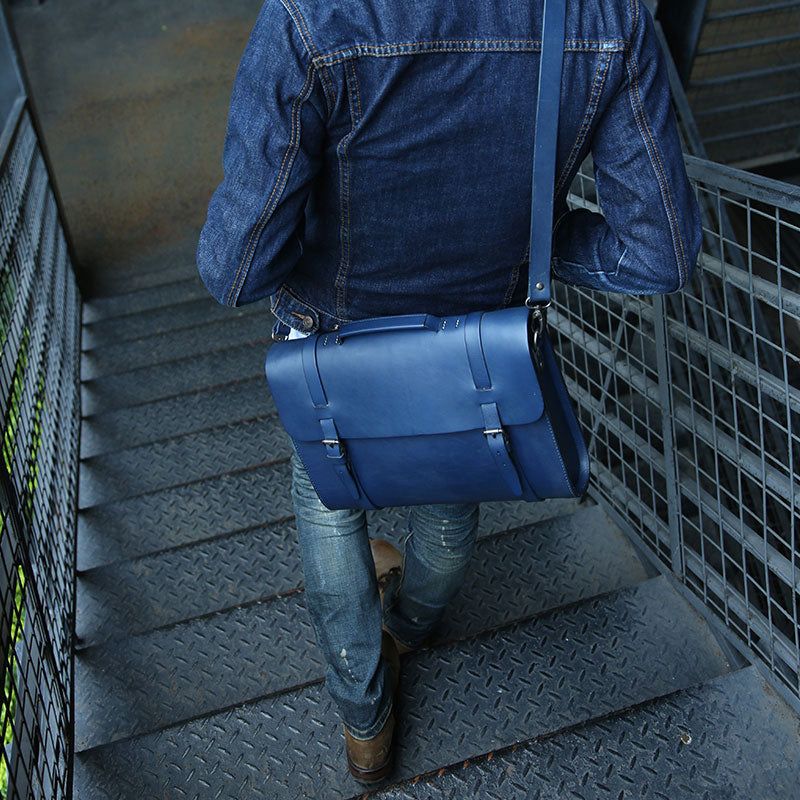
(498, 432)
(333, 448)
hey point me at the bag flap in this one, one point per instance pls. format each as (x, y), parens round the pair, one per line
(405, 382)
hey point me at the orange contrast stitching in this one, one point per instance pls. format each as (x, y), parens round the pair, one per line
(591, 109)
(659, 169)
(300, 22)
(294, 140)
(458, 46)
(344, 195)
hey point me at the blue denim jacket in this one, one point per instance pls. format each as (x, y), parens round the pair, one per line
(378, 159)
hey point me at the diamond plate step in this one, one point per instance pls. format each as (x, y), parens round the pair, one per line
(224, 504)
(194, 512)
(162, 381)
(134, 596)
(457, 701)
(176, 345)
(161, 320)
(163, 296)
(191, 513)
(729, 738)
(170, 462)
(147, 682)
(175, 416)
(166, 264)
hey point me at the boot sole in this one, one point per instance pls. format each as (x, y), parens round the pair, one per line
(370, 775)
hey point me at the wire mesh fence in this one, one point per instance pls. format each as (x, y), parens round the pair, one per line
(39, 327)
(692, 402)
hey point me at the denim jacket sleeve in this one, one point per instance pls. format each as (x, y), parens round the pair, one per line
(253, 232)
(647, 239)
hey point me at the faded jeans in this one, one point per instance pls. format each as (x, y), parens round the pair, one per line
(342, 593)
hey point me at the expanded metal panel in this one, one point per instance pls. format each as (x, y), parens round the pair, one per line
(692, 403)
(39, 327)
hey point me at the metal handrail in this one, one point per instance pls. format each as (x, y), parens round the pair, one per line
(712, 501)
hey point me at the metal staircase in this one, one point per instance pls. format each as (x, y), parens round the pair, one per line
(744, 87)
(642, 643)
(567, 666)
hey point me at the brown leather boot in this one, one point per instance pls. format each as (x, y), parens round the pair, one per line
(370, 760)
(388, 563)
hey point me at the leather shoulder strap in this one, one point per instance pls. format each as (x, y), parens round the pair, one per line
(544, 151)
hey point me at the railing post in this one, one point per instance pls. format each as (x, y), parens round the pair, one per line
(670, 463)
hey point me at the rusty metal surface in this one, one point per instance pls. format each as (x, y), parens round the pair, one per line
(133, 98)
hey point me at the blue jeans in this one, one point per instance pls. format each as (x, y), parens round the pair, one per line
(342, 593)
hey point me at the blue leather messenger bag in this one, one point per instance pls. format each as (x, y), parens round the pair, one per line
(418, 409)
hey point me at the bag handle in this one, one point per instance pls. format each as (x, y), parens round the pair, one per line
(402, 322)
(545, 138)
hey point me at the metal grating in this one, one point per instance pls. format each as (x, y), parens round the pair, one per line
(39, 325)
(693, 406)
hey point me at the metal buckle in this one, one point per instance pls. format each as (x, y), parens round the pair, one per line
(499, 432)
(538, 322)
(336, 445)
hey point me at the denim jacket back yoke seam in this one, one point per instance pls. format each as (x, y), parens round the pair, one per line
(580, 256)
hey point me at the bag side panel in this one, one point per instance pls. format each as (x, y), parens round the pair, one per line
(566, 428)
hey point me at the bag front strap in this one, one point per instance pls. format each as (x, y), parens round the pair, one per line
(545, 138)
(497, 441)
(311, 372)
(337, 456)
(474, 347)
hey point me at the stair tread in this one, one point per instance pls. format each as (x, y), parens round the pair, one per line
(184, 514)
(115, 331)
(136, 595)
(183, 290)
(457, 701)
(175, 416)
(121, 684)
(161, 265)
(109, 477)
(729, 737)
(111, 394)
(178, 344)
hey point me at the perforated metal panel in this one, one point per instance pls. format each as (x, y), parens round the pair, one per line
(39, 327)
